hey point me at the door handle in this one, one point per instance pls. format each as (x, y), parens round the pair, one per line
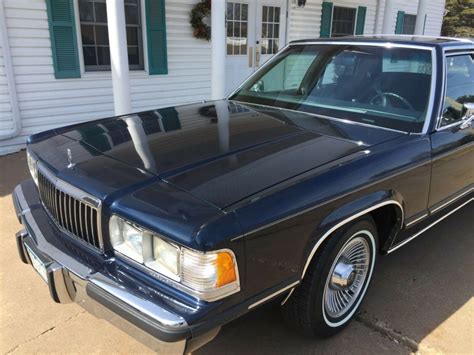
(250, 57)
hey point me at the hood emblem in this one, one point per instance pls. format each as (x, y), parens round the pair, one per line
(69, 159)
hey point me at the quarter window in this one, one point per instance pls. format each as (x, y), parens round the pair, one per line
(343, 21)
(95, 37)
(459, 87)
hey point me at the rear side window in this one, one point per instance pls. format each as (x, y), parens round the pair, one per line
(459, 87)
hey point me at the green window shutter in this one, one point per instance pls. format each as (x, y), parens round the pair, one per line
(156, 36)
(62, 31)
(400, 20)
(326, 19)
(361, 11)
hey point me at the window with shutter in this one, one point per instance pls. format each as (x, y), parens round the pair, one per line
(343, 21)
(95, 35)
(156, 36)
(326, 19)
(63, 38)
(361, 11)
(400, 21)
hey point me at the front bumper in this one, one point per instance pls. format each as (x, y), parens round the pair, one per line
(70, 280)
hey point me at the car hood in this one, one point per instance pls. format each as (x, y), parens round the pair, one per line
(221, 152)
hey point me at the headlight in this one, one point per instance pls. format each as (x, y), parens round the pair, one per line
(126, 239)
(32, 166)
(210, 275)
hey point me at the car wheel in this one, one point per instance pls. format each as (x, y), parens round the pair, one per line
(335, 282)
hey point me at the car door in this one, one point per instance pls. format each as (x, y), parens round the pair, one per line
(453, 141)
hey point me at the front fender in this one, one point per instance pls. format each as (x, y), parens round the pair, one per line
(351, 211)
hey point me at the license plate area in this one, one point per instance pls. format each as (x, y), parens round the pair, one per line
(37, 263)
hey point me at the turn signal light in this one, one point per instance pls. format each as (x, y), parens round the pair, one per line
(225, 269)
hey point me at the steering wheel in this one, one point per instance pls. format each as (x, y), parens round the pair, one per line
(385, 95)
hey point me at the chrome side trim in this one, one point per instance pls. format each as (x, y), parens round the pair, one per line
(416, 220)
(287, 297)
(452, 200)
(399, 245)
(430, 108)
(274, 294)
(347, 220)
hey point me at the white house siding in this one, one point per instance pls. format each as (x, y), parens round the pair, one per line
(305, 22)
(434, 18)
(6, 114)
(380, 8)
(46, 102)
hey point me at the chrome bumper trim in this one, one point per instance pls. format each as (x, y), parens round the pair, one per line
(71, 281)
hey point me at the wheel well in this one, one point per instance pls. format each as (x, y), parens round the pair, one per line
(386, 219)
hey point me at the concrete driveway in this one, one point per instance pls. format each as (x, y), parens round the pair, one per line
(421, 300)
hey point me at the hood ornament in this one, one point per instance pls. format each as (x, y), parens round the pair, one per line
(69, 159)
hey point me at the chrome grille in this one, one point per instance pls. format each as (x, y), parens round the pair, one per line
(71, 214)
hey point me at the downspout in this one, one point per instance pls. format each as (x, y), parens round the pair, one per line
(7, 62)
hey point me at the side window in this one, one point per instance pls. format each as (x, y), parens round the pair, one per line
(459, 87)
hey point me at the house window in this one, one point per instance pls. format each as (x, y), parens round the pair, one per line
(95, 37)
(409, 24)
(270, 29)
(236, 23)
(343, 21)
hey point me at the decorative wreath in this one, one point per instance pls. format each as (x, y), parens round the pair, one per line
(198, 13)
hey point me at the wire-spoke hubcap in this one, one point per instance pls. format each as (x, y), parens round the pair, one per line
(347, 277)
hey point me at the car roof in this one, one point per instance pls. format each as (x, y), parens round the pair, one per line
(400, 39)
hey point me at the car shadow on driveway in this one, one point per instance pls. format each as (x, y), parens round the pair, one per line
(415, 293)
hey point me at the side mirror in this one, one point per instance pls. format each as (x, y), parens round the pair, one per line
(467, 115)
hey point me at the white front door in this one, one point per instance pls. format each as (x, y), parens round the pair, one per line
(255, 31)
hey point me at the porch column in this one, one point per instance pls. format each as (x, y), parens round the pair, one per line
(119, 56)
(421, 16)
(389, 18)
(218, 49)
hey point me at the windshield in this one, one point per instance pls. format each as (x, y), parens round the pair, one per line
(382, 86)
